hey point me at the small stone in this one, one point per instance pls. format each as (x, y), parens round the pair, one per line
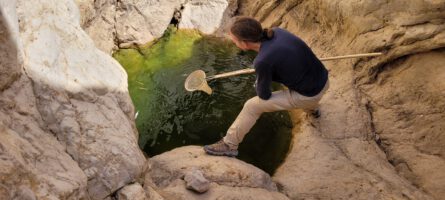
(196, 181)
(132, 192)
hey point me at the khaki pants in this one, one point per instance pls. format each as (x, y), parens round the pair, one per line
(254, 107)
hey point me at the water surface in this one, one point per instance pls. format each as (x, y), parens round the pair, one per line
(169, 116)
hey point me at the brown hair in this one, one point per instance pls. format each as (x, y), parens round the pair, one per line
(250, 30)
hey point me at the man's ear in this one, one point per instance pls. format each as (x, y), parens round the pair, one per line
(244, 44)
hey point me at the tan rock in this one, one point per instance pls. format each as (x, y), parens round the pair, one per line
(172, 165)
(60, 116)
(10, 50)
(407, 102)
(126, 23)
(132, 192)
(139, 22)
(177, 191)
(229, 178)
(203, 15)
(33, 163)
(367, 96)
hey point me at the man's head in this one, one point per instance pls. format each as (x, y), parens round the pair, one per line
(247, 33)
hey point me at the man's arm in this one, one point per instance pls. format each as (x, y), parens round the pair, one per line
(263, 80)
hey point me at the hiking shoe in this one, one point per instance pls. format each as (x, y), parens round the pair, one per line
(315, 113)
(220, 149)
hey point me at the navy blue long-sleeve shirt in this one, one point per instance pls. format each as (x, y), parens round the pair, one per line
(288, 60)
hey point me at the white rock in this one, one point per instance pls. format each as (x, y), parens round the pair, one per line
(204, 15)
(132, 192)
(140, 22)
(131, 22)
(60, 54)
(11, 60)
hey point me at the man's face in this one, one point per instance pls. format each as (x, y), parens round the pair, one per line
(240, 44)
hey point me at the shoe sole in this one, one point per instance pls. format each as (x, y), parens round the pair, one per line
(215, 153)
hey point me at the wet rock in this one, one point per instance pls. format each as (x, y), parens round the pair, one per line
(196, 181)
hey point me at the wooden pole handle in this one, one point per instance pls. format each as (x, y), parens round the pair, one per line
(251, 70)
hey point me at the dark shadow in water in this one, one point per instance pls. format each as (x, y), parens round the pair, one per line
(170, 117)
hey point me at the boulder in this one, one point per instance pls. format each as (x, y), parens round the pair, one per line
(203, 15)
(229, 178)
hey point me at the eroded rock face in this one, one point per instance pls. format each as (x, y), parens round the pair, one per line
(132, 192)
(203, 15)
(391, 96)
(407, 102)
(33, 163)
(11, 62)
(167, 171)
(116, 24)
(66, 123)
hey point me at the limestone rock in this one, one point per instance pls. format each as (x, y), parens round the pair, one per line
(151, 193)
(172, 165)
(139, 22)
(229, 177)
(196, 181)
(10, 52)
(177, 191)
(116, 24)
(407, 103)
(203, 15)
(33, 163)
(100, 23)
(72, 106)
(87, 11)
(132, 192)
(367, 97)
(69, 54)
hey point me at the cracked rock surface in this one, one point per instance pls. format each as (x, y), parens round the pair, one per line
(59, 136)
(114, 24)
(395, 99)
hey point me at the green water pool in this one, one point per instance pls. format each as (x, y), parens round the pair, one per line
(169, 116)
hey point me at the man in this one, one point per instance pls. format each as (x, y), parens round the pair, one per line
(283, 58)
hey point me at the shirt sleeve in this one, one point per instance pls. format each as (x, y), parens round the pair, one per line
(263, 80)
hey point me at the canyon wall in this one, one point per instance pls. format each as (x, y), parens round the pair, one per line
(381, 131)
(67, 121)
(59, 103)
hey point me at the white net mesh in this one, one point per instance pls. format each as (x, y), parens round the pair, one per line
(197, 81)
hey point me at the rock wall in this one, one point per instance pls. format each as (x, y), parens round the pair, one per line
(59, 108)
(67, 122)
(114, 24)
(395, 99)
(11, 65)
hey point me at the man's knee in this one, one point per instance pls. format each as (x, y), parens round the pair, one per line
(252, 105)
